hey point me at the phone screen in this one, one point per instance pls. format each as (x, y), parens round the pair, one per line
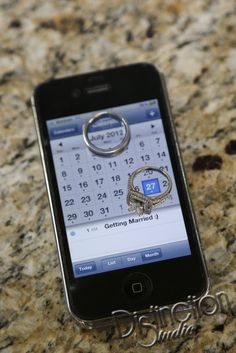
(103, 235)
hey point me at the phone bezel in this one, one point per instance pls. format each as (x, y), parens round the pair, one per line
(54, 99)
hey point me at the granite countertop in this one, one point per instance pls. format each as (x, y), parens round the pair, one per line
(194, 44)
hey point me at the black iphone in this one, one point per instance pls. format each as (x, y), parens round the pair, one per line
(96, 131)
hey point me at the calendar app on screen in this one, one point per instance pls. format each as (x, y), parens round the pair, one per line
(103, 235)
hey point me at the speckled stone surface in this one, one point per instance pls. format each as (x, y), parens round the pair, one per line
(194, 43)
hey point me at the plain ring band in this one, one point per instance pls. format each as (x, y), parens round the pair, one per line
(111, 152)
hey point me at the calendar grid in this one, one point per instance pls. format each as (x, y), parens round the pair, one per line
(94, 188)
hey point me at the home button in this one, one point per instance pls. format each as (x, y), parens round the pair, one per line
(137, 285)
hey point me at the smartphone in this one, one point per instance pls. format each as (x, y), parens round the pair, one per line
(112, 258)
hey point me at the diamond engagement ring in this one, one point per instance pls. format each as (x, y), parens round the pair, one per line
(108, 152)
(141, 203)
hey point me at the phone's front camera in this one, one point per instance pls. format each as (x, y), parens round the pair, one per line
(76, 93)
